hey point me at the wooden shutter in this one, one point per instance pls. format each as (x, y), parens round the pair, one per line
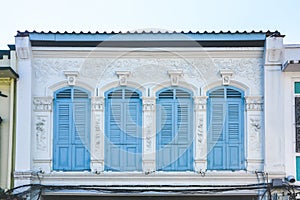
(71, 141)
(124, 142)
(174, 131)
(225, 130)
(62, 136)
(234, 135)
(80, 136)
(216, 137)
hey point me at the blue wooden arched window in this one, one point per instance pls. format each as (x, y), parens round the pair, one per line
(174, 139)
(123, 141)
(71, 141)
(225, 129)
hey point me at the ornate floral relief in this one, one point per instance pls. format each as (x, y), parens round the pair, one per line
(97, 103)
(47, 68)
(42, 104)
(148, 122)
(200, 129)
(254, 103)
(249, 70)
(97, 136)
(40, 133)
(255, 134)
(200, 103)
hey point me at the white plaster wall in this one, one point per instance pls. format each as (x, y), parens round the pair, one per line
(44, 72)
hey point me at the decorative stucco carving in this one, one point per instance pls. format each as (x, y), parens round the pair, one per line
(148, 108)
(246, 70)
(148, 130)
(200, 103)
(175, 76)
(40, 133)
(71, 77)
(226, 75)
(200, 130)
(255, 133)
(254, 103)
(148, 104)
(42, 104)
(123, 76)
(97, 135)
(47, 69)
(97, 103)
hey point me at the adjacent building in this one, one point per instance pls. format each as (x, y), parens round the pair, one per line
(8, 78)
(155, 114)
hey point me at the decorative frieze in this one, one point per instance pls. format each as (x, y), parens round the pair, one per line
(200, 103)
(254, 103)
(42, 104)
(175, 76)
(97, 103)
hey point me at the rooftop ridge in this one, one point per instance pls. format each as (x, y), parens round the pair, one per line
(268, 33)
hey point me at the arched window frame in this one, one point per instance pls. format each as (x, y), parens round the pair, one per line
(226, 152)
(170, 154)
(71, 152)
(122, 151)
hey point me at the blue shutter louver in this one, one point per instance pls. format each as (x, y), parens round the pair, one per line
(174, 131)
(123, 131)
(225, 129)
(71, 135)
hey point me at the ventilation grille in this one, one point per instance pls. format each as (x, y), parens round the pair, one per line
(228, 92)
(123, 93)
(174, 93)
(80, 94)
(65, 94)
(231, 93)
(217, 93)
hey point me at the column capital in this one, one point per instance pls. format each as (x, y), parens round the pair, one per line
(254, 103)
(149, 103)
(42, 104)
(200, 103)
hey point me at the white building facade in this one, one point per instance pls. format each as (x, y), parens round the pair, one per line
(152, 114)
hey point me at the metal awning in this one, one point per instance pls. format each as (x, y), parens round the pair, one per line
(8, 72)
(291, 66)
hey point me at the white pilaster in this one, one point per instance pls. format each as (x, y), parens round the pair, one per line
(24, 107)
(97, 135)
(254, 134)
(42, 134)
(200, 133)
(273, 107)
(149, 134)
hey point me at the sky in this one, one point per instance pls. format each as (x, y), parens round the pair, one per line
(124, 15)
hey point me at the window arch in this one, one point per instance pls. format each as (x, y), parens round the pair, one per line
(71, 141)
(123, 143)
(174, 139)
(225, 129)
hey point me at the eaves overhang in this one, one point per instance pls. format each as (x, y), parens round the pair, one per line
(8, 72)
(291, 66)
(149, 39)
